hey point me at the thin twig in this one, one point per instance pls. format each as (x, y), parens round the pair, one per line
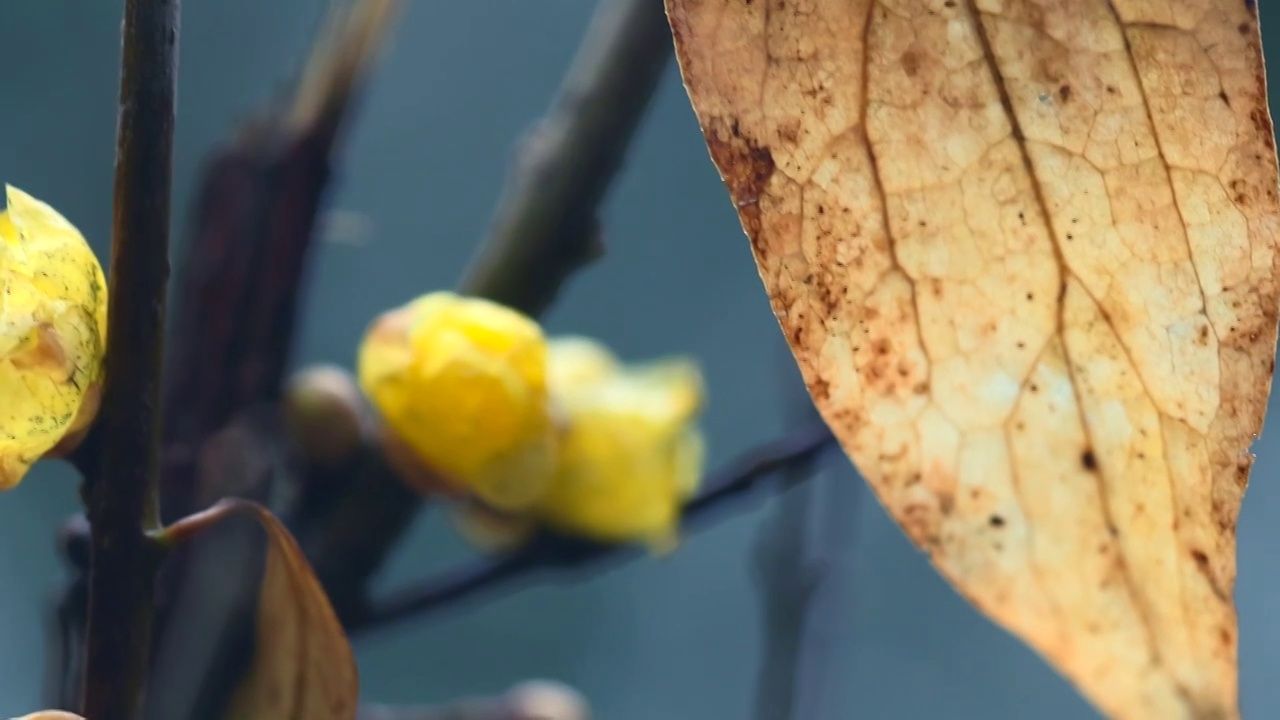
(122, 498)
(547, 552)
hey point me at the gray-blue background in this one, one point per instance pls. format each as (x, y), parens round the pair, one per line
(672, 640)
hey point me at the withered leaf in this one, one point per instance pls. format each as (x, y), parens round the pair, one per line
(1024, 252)
(303, 667)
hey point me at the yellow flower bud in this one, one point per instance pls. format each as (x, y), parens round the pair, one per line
(462, 382)
(631, 454)
(575, 363)
(323, 414)
(53, 326)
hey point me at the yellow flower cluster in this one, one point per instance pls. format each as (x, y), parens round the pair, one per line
(555, 432)
(53, 327)
(463, 383)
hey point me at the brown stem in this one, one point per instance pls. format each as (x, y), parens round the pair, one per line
(122, 495)
(545, 226)
(253, 233)
(547, 552)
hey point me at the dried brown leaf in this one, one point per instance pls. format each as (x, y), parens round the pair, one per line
(303, 667)
(1024, 252)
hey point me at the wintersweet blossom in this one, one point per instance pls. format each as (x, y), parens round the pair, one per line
(631, 453)
(534, 432)
(53, 327)
(462, 382)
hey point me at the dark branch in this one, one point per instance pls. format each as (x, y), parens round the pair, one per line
(122, 495)
(554, 556)
(546, 225)
(244, 275)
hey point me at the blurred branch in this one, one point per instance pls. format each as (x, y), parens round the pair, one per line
(787, 574)
(788, 581)
(546, 225)
(64, 649)
(252, 234)
(548, 553)
(841, 492)
(121, 487)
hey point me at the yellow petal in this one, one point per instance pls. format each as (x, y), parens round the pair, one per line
(630, 455)
(667, 391)
(575, 362)
(53, 324)
(462, 382)
(612, 484)
(689, 458)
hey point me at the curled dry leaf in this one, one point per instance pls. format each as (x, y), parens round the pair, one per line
(303, 667)
(1024, 252)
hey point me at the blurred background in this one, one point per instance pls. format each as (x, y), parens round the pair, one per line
(672, 639)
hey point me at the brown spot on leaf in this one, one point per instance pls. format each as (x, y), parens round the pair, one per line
(746, 168)
(910, 63)
(1088, 461)
(820, 389)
